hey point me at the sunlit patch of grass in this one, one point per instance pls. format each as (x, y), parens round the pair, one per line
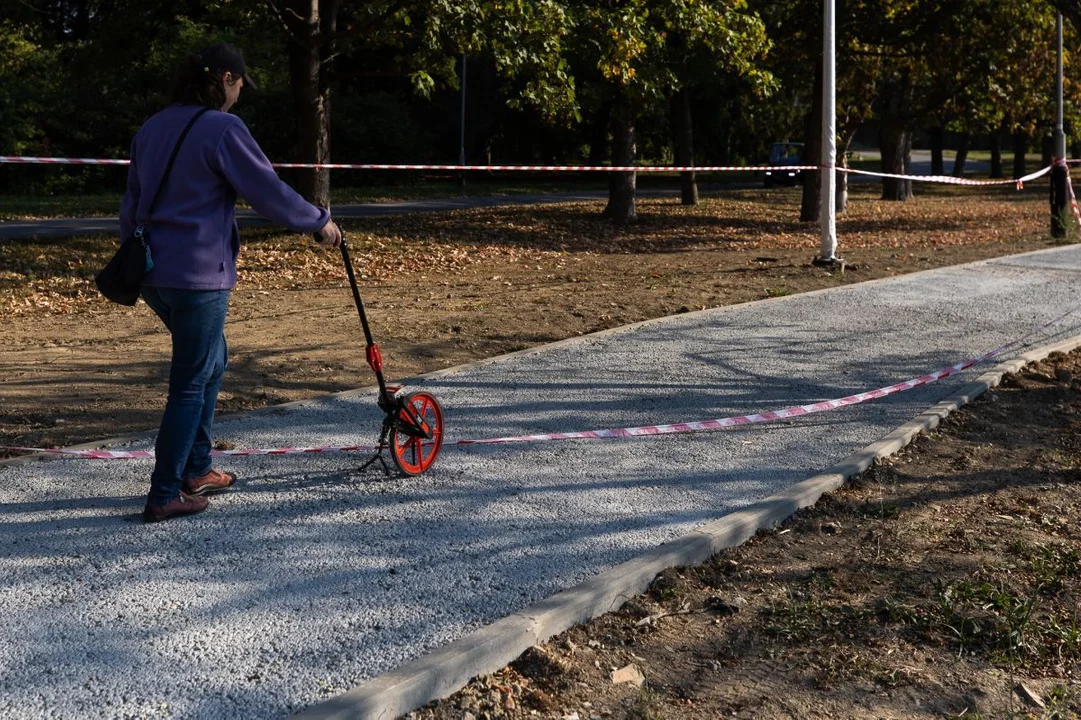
(799, 620)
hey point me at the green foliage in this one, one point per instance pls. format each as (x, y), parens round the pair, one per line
(650, 49)
(426, 40)
(77, 77)
(993, 617)
(647, 706)
(382, 128)
(997, 85)
(21, 63)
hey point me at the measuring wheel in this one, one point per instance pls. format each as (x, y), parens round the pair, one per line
(417, 434)
(413, 424)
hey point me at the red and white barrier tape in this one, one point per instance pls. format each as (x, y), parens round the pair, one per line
(1069, 188)
(24, 160)
(950, 180)
(945, 179)
(771, 415)
(737, 420)
(608, 433)
(149, 454)
(488, 168)
(1073, 202)
(556, 168)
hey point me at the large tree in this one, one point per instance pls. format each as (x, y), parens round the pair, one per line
(1025, 66)
(90, 92)
(797, 28)
(422, 41)
(897, 39)
(1070, 9)
(312, 28)
(638, 55)
(701, 42)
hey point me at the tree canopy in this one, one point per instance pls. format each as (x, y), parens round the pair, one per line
(709, 81)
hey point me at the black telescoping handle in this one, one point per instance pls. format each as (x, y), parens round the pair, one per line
(356, 292)
(375, 359)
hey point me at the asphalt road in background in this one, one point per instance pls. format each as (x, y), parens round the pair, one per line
(310, 577)
(71, 227)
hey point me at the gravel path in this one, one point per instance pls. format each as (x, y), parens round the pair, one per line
(310, 578)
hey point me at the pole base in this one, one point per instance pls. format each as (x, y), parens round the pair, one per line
(834, 263)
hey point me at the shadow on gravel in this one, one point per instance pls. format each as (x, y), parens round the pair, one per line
(324, 568)
(558, 395)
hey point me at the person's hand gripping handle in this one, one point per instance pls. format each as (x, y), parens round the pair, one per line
(330, 235)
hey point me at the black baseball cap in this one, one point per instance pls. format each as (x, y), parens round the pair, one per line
(224, 57)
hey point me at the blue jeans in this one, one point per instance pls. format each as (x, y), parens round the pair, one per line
(196, 320)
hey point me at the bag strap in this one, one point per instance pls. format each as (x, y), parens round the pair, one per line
(168, 169)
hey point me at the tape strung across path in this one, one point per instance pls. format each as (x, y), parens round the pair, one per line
(607, 433)
(1069, 187)
(950, 180)
(149, 454)
(944, 179)
(27, 160)
(772, 415)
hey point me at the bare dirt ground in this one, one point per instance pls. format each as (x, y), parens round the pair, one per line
(944, 582)
(444, 289)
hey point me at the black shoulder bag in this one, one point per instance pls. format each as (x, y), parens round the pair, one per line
(122, 277)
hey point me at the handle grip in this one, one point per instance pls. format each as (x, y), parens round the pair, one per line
(319, 238)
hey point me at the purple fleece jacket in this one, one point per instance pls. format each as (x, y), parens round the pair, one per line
(192, 234)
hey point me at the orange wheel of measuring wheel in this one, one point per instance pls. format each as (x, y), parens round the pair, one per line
(418, 433)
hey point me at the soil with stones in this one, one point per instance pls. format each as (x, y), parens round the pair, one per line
(944, 582)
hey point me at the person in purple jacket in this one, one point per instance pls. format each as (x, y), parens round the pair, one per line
(194, 243)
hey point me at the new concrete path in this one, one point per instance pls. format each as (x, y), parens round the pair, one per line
(309, 578)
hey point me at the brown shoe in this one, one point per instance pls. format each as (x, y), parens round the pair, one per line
(182, 504)
(214, 481)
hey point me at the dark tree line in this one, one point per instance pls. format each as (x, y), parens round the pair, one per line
(689, 82)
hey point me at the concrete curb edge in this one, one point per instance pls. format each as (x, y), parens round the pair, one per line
(448, 669)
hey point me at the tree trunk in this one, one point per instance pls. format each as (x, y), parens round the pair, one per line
(1047, 150)
(843, 144)
(484, 112)
(1060, 216)
(937, 139)
(312, 24)
(908, 165)
(598, 135)
(895, 140)
(961, 158)
(621, 186)
(892, 141)
(996, 155)
(1020, 143)
(683, 131)
(811, 205)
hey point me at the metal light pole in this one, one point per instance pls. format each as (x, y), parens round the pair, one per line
(1060, 172)
(1060, 134)
(828, 183)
